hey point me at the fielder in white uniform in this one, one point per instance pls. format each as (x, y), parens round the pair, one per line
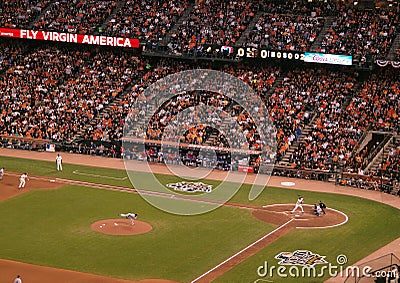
(59, 162)
(299, 204)
(18, 279)
(22, 180)
(129, 215)
(1, 173)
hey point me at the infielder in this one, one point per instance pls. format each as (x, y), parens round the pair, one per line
(129, 215)
(59, 162)
(299, 204)
(18, 279)
(22, 180)
(1, 173)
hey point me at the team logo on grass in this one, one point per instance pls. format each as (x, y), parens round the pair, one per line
(190, 187)
(300, 257)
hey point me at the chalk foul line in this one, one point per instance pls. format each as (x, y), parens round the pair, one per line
(99, 176)
(243, 250)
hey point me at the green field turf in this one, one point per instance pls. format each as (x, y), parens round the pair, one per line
(53, 228)
(370, 226)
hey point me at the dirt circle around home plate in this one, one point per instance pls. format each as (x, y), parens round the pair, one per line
(281, 213)
(121, 227)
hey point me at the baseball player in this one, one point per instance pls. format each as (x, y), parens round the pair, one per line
(129, 215)
(299, 204)
(318, 210)
(22, 180)
(18, 279)
(322, 206)
(1, 173)
(59, 162)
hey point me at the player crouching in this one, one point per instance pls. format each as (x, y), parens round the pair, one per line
(129, 215)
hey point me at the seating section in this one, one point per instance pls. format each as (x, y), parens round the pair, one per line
(147, 20)
(76, 16)
(20, 13)
(362, 33)
(285, 32)
(213, 22)
(52, 93)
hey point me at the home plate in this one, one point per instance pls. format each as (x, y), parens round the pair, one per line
(115, 224)
(297, 215)
(52, 181)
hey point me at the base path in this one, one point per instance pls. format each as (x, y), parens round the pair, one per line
(9, 186)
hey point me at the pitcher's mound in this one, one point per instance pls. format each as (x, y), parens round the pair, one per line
(121, 227)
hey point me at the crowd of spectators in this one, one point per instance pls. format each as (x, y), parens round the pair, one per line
(303, 7)
(361, 33)
(61, 93)
(390, 167)
(285, 25)
(20, 13)
(8, 53)
(302, 93)
(147, 20)
(52, 93)
(285, 32)
(332, 135)
(213, 22)
(378, 104)
(338, 127)
(76, 16)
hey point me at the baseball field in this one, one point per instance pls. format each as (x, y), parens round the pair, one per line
(52, 231)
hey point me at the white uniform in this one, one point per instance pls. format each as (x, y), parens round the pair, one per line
(129, 215)
(18, 279)
(319, 210)
(59, 162)
(299, 205)
(1, 173)
(22, 180)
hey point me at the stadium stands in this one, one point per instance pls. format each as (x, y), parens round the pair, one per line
(20, 13)
(147, 20)
(82, 97)
(212, 22)
(285, 32)
(51, 93)
(361, 33)
(77, 16)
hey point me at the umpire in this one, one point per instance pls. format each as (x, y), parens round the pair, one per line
(322, 206)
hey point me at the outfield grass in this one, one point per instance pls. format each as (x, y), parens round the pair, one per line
(180, 247)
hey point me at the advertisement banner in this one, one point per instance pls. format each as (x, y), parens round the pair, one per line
(322, 58)
(70, 37)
